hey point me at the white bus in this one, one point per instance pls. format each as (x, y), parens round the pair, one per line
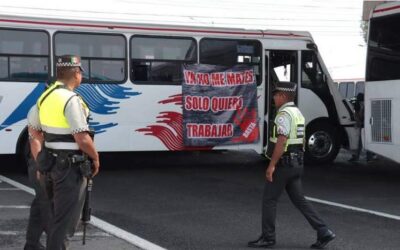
(133, 76)
(382, 86)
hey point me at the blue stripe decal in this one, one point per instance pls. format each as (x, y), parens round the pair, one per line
(97, 96)
(23, 108)
(101, 128)
(99, 104)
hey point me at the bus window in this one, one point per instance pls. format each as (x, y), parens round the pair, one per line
(158, 60)
(346, 89)
(350, 90)
(343, 89)
(103, 56)
(359, 87)
(3, 68)
(284, 66)
(312, 76)
(383, 60)
(24, 55)
(229, 52)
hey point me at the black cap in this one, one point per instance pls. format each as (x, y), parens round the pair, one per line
(69, 61)
(285, 87)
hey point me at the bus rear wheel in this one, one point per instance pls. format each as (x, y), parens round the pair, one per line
(322, 143)
(23, 153)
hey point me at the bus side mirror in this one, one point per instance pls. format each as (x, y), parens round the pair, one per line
(312, 46)
(319, 77)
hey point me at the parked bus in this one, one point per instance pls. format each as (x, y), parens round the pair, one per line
(133, 76)
(382, 86)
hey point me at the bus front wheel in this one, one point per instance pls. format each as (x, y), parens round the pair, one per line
(322, 143)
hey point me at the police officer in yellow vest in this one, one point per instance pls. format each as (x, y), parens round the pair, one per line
(60, 117)
(285, 153)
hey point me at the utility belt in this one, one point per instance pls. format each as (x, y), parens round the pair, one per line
(293, 159)
(48, 158)
(74, 156)
(64, 153)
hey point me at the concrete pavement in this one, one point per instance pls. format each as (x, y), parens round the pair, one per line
(15, 202)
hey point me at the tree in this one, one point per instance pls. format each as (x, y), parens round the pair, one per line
(364, 29)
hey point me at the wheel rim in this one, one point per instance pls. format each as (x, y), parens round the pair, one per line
(320, 144)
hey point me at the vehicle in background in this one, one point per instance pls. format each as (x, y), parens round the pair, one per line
(133, 75)
(382, 86)
(350, 88)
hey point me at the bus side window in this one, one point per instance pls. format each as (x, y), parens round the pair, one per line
(103, 55)
(24, 55)
(359, 87)
(312, 76)
(283, 66)
(230, 52)
(3, 67)
(343, 89)
(159, 59)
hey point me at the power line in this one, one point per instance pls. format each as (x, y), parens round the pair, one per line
(279, 10)
(187, 16)
(327, 29)
(247, 4)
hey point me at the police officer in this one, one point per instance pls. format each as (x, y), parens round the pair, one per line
(285, 168)
(40, 208)
(359, 109)
(61, 116)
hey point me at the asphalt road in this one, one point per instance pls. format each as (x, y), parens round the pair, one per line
(212, 200)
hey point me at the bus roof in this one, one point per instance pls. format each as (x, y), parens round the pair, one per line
(386, 9)
(101, 23)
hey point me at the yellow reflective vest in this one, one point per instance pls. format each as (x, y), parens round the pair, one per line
(296, 136)
(51, 105)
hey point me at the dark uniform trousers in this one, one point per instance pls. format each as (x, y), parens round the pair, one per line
(39, 216)
(287, 177)
(66, 189)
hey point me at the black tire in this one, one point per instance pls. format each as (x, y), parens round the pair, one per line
(322, 143)
(23, 153)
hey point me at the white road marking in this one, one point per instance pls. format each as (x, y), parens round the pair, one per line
(362, 210)
(77, 234)
(10, 189)
(95, 234)
(111, 229)
(9, 233)
(133, 239)
(15, 206)
(17, 184)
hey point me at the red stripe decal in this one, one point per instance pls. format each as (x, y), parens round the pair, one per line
(387, 9)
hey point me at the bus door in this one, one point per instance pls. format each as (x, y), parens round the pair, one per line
(267, 102)
(280, 65)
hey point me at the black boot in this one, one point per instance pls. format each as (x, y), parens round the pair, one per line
(323, 240)
(261, 242)
(34, 247)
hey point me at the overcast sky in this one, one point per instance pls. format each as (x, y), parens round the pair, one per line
(334, 24)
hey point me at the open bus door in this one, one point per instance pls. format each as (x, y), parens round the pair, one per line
(280, 65)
